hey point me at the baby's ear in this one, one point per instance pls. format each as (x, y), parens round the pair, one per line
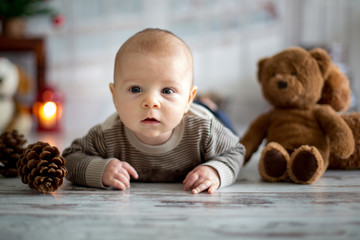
(261, 64)
(323, 60)
(112, 90)
(111, 86)
(191, 98)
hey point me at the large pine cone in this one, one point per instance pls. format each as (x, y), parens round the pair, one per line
(11, 146)
(42, 167)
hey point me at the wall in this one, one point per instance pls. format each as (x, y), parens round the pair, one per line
(227, 39)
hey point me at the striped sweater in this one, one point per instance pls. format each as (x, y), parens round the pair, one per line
(199, 139)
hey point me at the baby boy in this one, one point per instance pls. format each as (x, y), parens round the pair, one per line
(157, 133)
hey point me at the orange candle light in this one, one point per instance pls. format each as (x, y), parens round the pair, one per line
(48, 110)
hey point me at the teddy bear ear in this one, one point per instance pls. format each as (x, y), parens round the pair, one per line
(261, 64)
(323, 60)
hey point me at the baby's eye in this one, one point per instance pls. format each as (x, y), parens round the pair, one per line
(167, 91)
(135, 89)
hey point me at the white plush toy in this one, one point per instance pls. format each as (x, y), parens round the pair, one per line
(12, 115)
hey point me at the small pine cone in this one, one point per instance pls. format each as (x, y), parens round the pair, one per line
(11, 147)
(42, 167)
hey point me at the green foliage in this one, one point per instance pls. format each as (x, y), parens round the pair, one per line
(23, 8)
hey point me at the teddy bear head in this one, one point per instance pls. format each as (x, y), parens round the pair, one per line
(295, 77)
(15, 86)
(9, 78)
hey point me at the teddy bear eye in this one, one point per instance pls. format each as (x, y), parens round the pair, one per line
(293, 73)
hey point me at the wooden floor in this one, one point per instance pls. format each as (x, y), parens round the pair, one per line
(249, 209)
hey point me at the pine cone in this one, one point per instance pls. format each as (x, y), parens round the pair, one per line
(11, 146)
(41, 167)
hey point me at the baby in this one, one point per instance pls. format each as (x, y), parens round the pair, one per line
(157, 134)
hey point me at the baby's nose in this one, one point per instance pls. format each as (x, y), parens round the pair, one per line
(151, 101)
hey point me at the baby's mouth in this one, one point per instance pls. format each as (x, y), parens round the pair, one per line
(150, 120)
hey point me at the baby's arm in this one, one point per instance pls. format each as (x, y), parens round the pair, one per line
(202, 178)
(117, 174)
(222, 159)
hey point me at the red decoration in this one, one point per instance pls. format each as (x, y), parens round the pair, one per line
(58, 20)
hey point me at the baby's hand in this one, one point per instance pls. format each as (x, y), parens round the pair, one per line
(202, 178)
(117, 174)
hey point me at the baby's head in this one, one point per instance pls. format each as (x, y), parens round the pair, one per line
(153, 84)
(158, 42)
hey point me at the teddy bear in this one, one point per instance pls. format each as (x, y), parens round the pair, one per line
(352, 162)
(303, 129)
(14, 83)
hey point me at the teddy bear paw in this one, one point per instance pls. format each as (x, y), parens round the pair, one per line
(306, 165)
(273, 163)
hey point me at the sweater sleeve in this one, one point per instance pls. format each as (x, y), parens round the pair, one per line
(85, 159)
(224, 153)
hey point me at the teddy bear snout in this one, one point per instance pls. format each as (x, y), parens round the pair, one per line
(282, 84)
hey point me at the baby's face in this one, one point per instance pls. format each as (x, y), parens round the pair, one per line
(152, 92)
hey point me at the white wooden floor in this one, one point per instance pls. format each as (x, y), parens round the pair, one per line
(249, 209)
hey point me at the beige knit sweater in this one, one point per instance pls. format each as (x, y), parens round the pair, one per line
(199, 139)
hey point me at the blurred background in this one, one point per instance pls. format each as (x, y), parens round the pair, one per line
(80, 39)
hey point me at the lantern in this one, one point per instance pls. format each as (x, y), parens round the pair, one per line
(48, 110)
